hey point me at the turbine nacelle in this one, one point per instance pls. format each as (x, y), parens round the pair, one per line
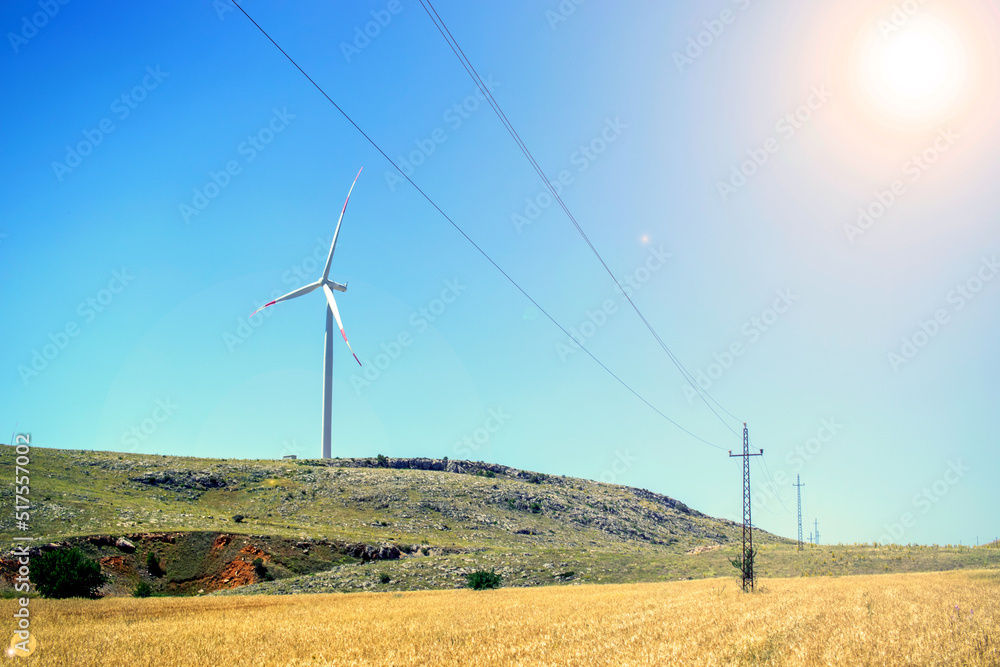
(335, 286)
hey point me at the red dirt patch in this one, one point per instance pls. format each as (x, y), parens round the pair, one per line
(238, 572)
(116, 564)
(220, 542)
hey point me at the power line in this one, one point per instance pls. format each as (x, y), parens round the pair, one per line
(462, 232)
(774, 485)
(471, 70)
(484, 89)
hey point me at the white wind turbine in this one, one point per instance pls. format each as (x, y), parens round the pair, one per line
(331, 314)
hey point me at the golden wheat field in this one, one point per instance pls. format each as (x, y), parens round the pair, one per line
(911, 619)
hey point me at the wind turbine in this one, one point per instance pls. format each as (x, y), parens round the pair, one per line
(332, 314)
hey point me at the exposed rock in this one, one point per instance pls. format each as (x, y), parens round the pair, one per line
(166, 538)
(177, 480)
(703, 549)
(125, 545)
(368, 552)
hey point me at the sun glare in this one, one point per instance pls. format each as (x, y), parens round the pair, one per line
(914, 72)
(916, 67)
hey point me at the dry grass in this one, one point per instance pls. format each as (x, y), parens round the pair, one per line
(911, 619)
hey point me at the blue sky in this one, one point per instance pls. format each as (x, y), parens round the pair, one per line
(166, 171)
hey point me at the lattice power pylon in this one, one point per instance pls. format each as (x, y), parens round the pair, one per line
(746, 562)
(798, 484)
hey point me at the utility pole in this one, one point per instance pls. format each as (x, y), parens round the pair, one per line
(746, 562)
(816, 532)
(798, 484)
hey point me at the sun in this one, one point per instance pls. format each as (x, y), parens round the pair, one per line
(922, 67)
(916, 66)
(915, 72)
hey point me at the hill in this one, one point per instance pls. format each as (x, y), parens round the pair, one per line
(400, 524)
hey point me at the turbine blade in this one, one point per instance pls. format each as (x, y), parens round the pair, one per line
(291, 295)
(336, 315)
(336, 232)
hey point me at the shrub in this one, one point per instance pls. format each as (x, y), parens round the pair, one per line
(481, 580)
(745, 567)
(384, 578)
(143, 590)
(238, 518)
(382, 462)
(153, 565)
(536, 507)
(536, 479)
(261, 570)
(485, 473)
(66, 573)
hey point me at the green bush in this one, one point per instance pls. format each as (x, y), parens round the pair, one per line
(261, 570)
(384, 578)
(382, 462)
(481, 580)
(153, 565)
(536, 507)
(143, 590)
(485, 473)
(66, 573)
(746, 567)
(238, 518)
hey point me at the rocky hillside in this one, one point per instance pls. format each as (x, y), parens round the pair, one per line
(418, 522)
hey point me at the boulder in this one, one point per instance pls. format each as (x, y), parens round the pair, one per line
(125, 545)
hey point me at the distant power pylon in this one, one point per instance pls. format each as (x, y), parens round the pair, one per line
(746, 562)
(798, 484)
(816, 530)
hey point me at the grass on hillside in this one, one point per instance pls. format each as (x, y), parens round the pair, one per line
(84, 493)
(911, 619)
(600, 533)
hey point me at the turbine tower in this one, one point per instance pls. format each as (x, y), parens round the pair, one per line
(332, 314)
